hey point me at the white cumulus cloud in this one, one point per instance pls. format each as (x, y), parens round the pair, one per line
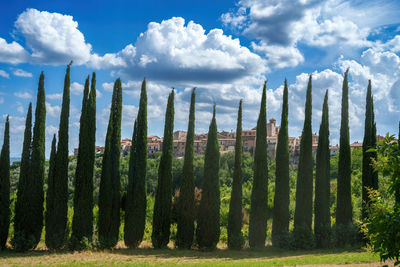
(184, 53)
(12, 52)
(53, 38)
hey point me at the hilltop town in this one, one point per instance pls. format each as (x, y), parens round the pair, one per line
(227, 143)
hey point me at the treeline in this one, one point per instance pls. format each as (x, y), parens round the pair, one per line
(197, 213)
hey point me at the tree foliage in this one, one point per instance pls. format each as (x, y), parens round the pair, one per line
(281, 216)
(304, 186)
(163, 199)
(109, 198)
(185, 218)
(135, 214)
(322, 217)
(5, 186)
(208, 221)
(259, 194)
(235, 237)
(57, 208)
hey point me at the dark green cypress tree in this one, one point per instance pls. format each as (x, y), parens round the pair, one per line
(82, 220)
(369, 176)
(135, 213)
(163, 200)
(5, 186)
(259, 194)
(397, 194)
(56, 213)
(280, 222)
(208, 227)
(344, 210)
(18, 241)
(304, 186)
(28, 236)
(322, 217)
(37, 160)
(109, 196)
(186, 211)
(235, 217)
(129, 195)
(51, 180)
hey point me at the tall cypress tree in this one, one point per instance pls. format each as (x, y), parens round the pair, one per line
(163, 200)
(51, 180)
(37, 160)
(129, 195)
(322, 217)
(186, 215)
(135, 214)
(304, 186)
(27, 234)
(344, 210)
(207, 232)
(369, 176)
(5, 186)
(259, 194)
(82, 220)
(18, 241)
(397, 194)
(280, 222)
(109, 196)
(235, 217)
(56, 213)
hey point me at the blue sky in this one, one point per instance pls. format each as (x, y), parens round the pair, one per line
(224, 48)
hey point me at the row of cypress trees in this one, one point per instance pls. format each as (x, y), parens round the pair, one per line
(29, 205)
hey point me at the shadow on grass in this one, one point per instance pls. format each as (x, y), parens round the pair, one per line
(266, 253)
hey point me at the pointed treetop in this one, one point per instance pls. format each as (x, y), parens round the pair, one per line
(214, 110)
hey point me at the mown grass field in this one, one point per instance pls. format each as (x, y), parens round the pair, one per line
(146, 256)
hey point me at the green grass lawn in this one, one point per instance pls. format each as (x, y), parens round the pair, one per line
(171, 257)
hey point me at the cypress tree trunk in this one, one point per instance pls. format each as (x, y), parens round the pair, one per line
(50, 223)
(109, 197)
(27, 234)
(344, 210)
(18, 241)
(5, 186)
(82, 220)
(322, 217)
(304, 186)
(185, 231)
(207, 232)
(369, 176)
(56, 216)
(259, 194)
(235, 217)
(135, 214)
(163, 200)
(280, 222)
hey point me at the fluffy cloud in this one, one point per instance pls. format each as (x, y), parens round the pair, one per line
(184, 54)
(53, 38)
(22, 73)
(4, 74)
(23, 95)
(54, 96)
(285, 24)
(12, 52)
(76, 88)
(52, 111)
(279, 56)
